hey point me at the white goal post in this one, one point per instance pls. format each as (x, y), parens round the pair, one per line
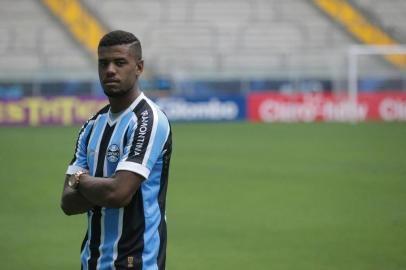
(358, 50)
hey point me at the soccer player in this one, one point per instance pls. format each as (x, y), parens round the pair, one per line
(119, 172)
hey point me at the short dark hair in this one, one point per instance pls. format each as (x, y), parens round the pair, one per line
(120, 37)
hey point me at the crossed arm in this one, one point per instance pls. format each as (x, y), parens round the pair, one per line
(114, 192)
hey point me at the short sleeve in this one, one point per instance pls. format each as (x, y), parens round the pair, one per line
(146, 142)
(79, 161)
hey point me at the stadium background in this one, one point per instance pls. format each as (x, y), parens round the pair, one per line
(247, 190)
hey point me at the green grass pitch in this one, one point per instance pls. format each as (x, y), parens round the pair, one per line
(241, 196)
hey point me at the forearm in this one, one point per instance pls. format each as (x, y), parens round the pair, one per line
(114, 192)
(73, 202)
(99, 191)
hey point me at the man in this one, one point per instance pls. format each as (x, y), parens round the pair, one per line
(119, 172)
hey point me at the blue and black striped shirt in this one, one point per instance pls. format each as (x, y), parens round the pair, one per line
(139, 140)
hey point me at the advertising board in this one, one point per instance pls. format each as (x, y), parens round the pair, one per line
(48, 111)
(273, 107)
(204, 109)
(72, 110)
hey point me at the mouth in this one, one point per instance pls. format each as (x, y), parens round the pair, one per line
(110, 82)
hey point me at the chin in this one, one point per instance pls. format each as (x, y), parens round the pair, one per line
(115, 92)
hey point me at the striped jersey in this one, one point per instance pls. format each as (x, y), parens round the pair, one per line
(138, 140)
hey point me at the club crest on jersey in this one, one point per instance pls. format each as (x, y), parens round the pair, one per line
(113, 153)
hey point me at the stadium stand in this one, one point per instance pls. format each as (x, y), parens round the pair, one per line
(389, 15)
(361, 27)
(239, 38)
(239, 35)
(33, 43)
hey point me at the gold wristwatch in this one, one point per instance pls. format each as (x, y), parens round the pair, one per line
(73, 182)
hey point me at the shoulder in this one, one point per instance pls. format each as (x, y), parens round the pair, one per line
(92, 119)
(149, 118)
(147, 109)
(103, 110)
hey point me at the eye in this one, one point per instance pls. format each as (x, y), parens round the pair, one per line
(120, 62)
(102, 63)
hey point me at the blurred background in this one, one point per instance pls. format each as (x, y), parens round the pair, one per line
(257, 181)
(205, 51)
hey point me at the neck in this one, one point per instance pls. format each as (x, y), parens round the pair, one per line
(118, 104)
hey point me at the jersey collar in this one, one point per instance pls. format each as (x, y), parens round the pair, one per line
(112, 122)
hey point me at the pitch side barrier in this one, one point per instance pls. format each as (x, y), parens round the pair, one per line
(255, 107)
(272, 107)
(67, 111)
(204, 109)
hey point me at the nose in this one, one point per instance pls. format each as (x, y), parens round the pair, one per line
(110, 70)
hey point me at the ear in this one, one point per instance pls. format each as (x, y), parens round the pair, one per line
(140, 67)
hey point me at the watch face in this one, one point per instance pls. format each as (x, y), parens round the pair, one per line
(72, 182)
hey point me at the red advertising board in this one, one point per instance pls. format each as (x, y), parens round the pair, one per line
(273, 107)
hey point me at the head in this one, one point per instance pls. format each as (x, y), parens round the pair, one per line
(120, 63)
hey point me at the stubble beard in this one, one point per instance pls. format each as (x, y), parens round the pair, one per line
(120, 93)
